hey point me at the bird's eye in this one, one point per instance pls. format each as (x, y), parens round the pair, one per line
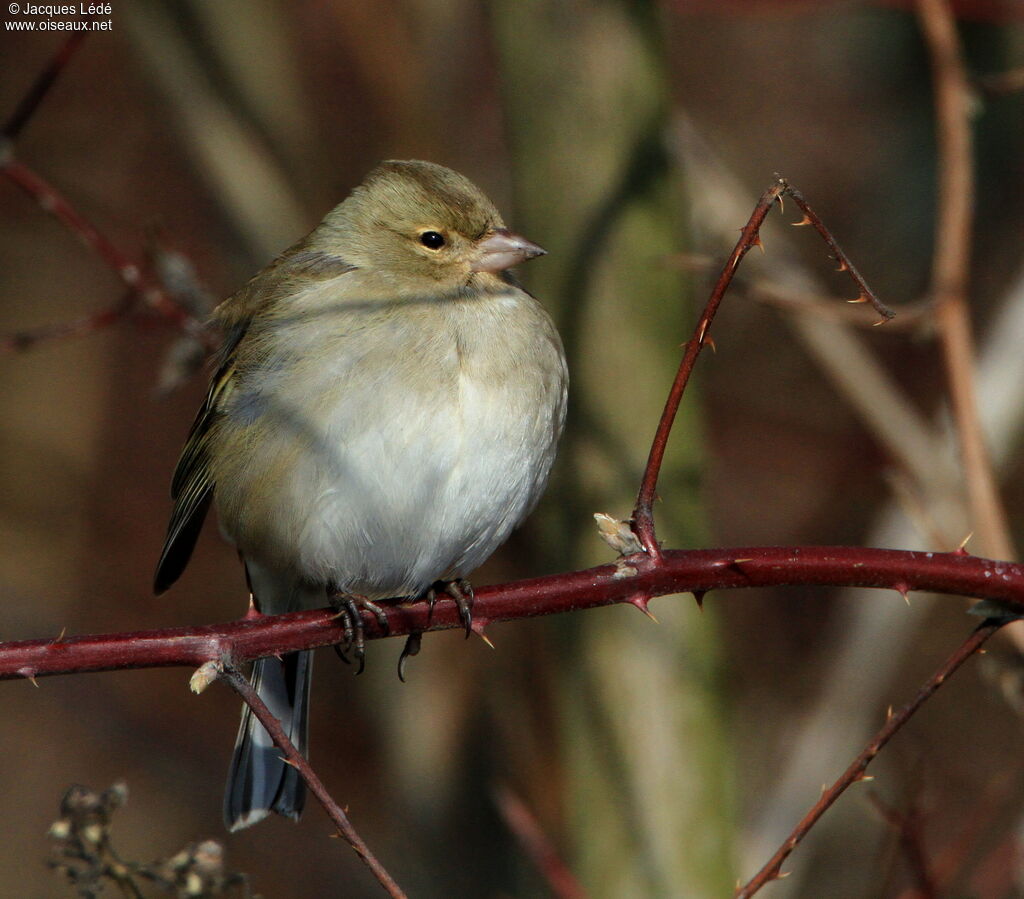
(432, 240)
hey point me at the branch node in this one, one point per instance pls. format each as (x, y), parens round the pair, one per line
(205, 675)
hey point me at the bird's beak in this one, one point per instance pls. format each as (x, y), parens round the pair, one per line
(501, 249)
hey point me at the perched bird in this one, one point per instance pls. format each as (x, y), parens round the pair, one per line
(385, 410)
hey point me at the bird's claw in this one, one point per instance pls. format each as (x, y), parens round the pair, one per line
(411, 648)
(349, 608)
(461, 592)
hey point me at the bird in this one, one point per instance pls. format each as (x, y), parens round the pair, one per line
(384, 410)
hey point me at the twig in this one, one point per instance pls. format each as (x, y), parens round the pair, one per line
(29, 103)
(951, 269)
(560, 880)
(24, 340)
(855, 773)
(643, 511)
(998, 84)
(907, 826)
(634, 579)
(1000, 796)
(132, 274)
(243, 688)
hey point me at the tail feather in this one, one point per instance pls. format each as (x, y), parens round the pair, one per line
(259, 780)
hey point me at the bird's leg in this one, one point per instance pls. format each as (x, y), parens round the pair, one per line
(461, 591)
(349, 608)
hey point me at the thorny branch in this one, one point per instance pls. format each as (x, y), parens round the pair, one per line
(634, 579)
(240, 684)
(855, 773)
(643, 511)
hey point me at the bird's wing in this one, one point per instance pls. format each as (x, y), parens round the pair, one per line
(192, 485)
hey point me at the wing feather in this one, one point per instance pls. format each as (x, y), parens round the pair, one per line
(192, 485)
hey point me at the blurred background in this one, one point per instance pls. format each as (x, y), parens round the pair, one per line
(631, 139)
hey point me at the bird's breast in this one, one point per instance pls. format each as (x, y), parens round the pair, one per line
(402, 448)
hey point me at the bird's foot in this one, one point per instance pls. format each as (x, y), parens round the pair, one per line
(461, 591)
(349, 608)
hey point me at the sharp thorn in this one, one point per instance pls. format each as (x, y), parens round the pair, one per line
(961, 550)
(640, 601)
(804, 221)
(698, 596)
(843, 267)
(477, 627)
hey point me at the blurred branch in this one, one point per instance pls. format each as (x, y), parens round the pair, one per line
(228, 153)
(35, 95)
(1000, 83)
(855, 772)
(964, 851)
(909, 831)
(518, 818)
(140, 286)
(951, 269)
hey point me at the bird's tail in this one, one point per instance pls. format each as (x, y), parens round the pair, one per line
(260, 781)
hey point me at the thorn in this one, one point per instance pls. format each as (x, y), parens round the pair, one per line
(698, 595)
(739, 562)
(881, 321)
(862, 777)
(903, 589)
(641, 601)
(804, 221)
(961, 549)
(478, 626)
(289, 762)
(888, 714)
(843, 267)
(710, 342)
(782, 875)
(860, 299)
(757, 242)
(29, 674)
(782, 206)
(60, 636)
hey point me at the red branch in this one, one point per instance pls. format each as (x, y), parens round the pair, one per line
(634, 579)
(643, 511)
(140, 286)
(295, 758)
(855, 772)
(538, 846)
